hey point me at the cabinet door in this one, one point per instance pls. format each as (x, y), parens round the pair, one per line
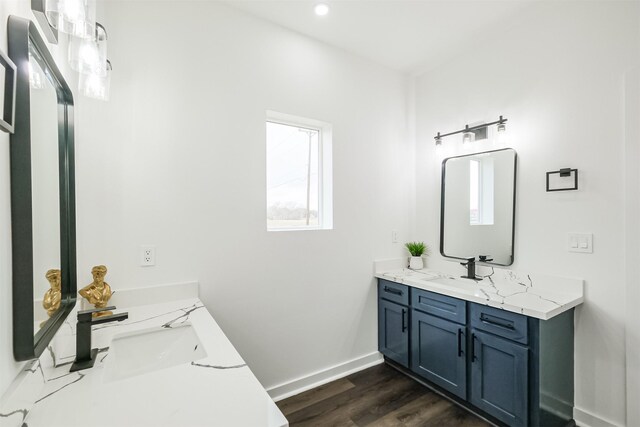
(499, 378)
(393, 333)
(438, 352)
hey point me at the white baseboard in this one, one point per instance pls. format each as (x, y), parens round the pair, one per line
(555, 405)
(584, 418)
(318, 378)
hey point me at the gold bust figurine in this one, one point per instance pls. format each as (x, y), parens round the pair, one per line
(98, 292)
(53, 296)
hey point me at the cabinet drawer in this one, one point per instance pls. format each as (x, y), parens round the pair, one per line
(445, 307)
(393, 291)
(499, 322)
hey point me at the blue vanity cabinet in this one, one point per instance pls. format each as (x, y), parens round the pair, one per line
(500, 363)
(393, 322)
(438, 352)
(438, 340)
(513, 369)
(499, 378)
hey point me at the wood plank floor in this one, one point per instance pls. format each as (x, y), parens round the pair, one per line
(379, 397)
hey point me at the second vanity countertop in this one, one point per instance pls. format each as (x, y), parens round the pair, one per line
(533, 295)
(217, 390)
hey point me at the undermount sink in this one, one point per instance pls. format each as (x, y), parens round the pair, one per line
(140, 352)
(466, 284)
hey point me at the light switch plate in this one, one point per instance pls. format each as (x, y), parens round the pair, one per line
(580, 242)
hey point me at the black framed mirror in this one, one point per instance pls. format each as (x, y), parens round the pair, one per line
(478, 197)
(42, 194)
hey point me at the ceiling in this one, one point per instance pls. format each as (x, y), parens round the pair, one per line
(411, 36)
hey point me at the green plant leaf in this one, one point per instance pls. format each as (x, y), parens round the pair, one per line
(417, 248)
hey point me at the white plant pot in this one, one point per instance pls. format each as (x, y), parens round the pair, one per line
(416, 263)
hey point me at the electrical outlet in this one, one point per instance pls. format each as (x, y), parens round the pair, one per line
(394, 236)
(147, 256)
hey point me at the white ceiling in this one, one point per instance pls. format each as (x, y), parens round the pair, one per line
(412, 36)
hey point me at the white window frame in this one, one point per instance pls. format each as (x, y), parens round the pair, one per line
(325, 167)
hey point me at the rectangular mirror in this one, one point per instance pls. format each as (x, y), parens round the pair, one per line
(478, 206)
(42, 194)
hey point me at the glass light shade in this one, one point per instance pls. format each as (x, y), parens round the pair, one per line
(95, 86)
(75, 17)
(502, 133)
(89, 56)
(468, 137)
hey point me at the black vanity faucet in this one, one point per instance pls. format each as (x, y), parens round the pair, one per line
(471, 268)
(85, 355)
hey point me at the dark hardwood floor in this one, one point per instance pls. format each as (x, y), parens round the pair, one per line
(379, 396)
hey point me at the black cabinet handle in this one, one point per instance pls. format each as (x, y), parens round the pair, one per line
(473, 348)
(495, 321)
(460, 335)
(404, 323)
(392, 290)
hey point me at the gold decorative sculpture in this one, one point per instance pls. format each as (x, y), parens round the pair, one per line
(98, 292)
(53, 296)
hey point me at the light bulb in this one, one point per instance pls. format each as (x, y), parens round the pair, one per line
(321, 9)
(468, 137)
(438, 141)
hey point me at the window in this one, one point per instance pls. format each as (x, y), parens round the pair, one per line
(298, 173)
(481, 191)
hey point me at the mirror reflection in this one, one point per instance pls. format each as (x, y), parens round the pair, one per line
(478, 195)
(45, 189)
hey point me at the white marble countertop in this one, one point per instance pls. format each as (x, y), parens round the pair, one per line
(534, 295)
(218, 390)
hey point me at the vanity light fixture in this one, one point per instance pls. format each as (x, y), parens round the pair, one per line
(321, 9)
(74, 17)
(38, 8)
(96, 86)
(89, 56)
(470, 134)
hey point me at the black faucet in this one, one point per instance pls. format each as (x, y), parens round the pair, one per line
(85, 355)
(471, 268)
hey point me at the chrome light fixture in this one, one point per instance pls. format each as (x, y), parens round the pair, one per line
(469, 134)
(74, 17)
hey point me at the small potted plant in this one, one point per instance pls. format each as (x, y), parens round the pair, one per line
(417, 250)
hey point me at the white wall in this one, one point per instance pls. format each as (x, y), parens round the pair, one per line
(558, 76)
(8, 367)
(632, 154)
(177, 159)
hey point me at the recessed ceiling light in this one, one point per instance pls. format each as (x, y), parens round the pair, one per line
(321, 9)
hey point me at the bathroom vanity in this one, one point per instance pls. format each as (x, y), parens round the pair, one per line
(502, 346)
(168, 364)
